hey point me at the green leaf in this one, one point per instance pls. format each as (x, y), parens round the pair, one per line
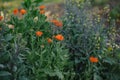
(27, 4)
(59, 74)
(97, 77)
(2, 66)
(23, 78)
(38, 1)
(8, 37)
(4, 73)
(109, 60)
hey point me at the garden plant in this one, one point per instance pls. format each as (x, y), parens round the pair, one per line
(91, 43)
(79, 46)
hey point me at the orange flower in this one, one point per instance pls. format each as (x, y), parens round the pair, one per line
(54, 21)
(39, 33)
(42, 12)
(15, 11)
(49, 40)
(93, 59)
(1, 18)
(59, 37)
(42, 7)
(23, 11)
(57, 23)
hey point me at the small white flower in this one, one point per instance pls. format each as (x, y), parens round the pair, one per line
(11, 26)
(36, 19)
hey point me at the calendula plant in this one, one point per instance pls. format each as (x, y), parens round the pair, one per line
(90, 42)
(35, 51)
(11, 47)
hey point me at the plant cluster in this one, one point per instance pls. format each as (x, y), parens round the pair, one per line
(79, 47)
(29, 49)
(91, 43)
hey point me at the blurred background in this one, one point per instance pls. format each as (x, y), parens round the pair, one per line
(114, 5)
(7, 6)
(57, 7)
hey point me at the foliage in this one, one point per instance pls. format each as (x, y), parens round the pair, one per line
(115, 12)
(114, 6)
(99, 2)
(81, 47)
(87, 35)
(26, 53)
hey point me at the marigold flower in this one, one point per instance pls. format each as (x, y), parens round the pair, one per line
(57, 23)
(15, 11)
(42, 12)
(59, 37)
(49, 40)
(42, 7)
(93, 59)
(54, 21)
(39, 33)
(1, 18)
(23, 11)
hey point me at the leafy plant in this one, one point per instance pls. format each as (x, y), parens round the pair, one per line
(87, 36)
(32, 50)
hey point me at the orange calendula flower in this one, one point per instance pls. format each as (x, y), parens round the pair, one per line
(39, 33)
(23, 11)
(42, 7)
(57, 23)
(54, 21)
(93, 59)
(1, 18)
(42, 12)
(15, 11)
(59, 37)
(49, 40)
